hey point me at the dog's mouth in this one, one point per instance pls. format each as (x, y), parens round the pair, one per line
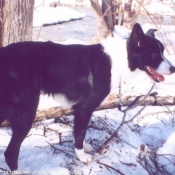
(153, 74)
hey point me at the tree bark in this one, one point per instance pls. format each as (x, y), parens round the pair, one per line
(16, 21)
(105, 16)
(127, 16)
(109, 11)
(131, 14)
(126, 12)
(110, 103)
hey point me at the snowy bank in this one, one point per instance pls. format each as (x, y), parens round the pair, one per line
(44, 15)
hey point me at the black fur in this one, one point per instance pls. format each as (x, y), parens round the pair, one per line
(143, 50)
(80, 73)
(30, 67)
(151, 32)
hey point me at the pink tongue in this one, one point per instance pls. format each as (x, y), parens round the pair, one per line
(159, 77)
(154, 75)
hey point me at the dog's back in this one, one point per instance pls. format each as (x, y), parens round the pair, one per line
(52, 68)
(80, 73)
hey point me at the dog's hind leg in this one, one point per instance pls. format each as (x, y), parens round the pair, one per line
(21, 123)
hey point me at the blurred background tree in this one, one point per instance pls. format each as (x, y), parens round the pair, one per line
(112, 12)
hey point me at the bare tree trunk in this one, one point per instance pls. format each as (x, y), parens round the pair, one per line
(131, 12)
(1, 22)
(127, 16)
(120, 13)
(109, 12)
(125, 11)
(101, 23)
(16, 21)
(106, 17)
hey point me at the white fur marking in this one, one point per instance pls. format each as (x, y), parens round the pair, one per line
(164, 67)
(119, 61)
(90, 79)
(139, 44)
(82, 156)
(87, 147)
(87, 79)
(63, 101)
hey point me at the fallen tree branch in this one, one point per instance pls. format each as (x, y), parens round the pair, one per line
(109, 103)
(103, 147)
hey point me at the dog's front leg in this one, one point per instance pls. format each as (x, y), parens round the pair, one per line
(82, 117)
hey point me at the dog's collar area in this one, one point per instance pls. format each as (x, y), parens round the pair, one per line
(153, 74)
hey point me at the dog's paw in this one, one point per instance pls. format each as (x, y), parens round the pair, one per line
(87, 147)
(82, 156)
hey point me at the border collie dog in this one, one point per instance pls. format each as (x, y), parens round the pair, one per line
(81, 73)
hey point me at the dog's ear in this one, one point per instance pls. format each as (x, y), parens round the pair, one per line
(151, 32)
(137, 35)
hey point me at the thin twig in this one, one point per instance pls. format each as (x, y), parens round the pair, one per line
(5, 171)
(137, 113)
(39, 32)
(101, 149)
(141, 102)
(63, 151)
(107, 166)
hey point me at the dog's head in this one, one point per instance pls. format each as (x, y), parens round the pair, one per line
(145, 52)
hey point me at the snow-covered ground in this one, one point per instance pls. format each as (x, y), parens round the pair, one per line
(48, 149)
(46, 15)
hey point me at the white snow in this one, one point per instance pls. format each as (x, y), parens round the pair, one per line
(154, 127)
(45, 15)
(162, 8)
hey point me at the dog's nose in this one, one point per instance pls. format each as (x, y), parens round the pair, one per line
(172, 69)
